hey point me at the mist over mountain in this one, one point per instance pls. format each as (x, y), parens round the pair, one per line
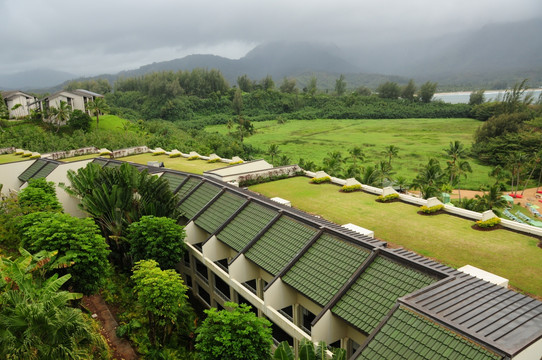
(493, 56)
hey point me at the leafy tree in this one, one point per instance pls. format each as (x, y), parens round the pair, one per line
(244, 83)
(61, 113)
(267, 83)
(79, 238)
(234, 333)
(237, 102)
(363, 91)
(307, 350)
(516, 100)
(427, 91)
(500, 125)
(162, 296)
(79, 121)
(388, 90)
(157, 238)
(4, 111)
(491, 199)
(97, 108)
(340, 85)
(288, 86)
(312, 86)
(273, 151)
(477, 97)
(39, 195)
(409, 90)
(36, 321)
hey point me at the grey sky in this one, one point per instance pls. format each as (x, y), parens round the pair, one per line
(106, 36)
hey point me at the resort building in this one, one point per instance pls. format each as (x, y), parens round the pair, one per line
(77, 99)
(316, 280)
(19, 103)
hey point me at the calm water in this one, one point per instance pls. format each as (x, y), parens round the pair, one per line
(462, 97)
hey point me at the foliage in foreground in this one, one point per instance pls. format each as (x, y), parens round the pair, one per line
(36, 321)
(157, 238)
(78, 238)
(307, 350)
(234, 333)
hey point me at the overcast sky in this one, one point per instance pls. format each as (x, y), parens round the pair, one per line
(106, 36)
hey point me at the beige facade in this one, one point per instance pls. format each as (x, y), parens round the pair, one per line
(77, 99)
(25, 101)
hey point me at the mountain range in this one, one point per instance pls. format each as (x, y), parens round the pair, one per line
(493, 56)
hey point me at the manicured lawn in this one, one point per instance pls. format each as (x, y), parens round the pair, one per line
(179, 163)
(7, 158)
(448, 239)
(82, 157)
(417, 140)
(110, 123)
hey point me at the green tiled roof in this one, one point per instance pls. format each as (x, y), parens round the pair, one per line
(376, 290)
(45, 171)
(189, 185)
(219, 211)
(280, 244)
(244, 227)
(198, 199)
(325, 267)
(174, 180)
(31, 170)
(112, 164)
(407, 335)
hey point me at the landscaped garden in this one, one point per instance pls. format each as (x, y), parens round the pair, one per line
(445, 238)
(178, 163)
(7, 158)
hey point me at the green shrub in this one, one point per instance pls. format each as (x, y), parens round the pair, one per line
(195, 157)
(387, 198)
(156, 153)
(37, 156)
(105, 153)
(27, 154)
(432, 209)
(236, 162)
(351, 188)
(175, 155)
(321, 180)
(19, 152)
(210, 161)
(489, 223)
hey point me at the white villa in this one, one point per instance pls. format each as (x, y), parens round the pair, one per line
(77, 99)
(26, 101)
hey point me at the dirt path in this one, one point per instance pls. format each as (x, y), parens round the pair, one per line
(122, 350)
(529, 196)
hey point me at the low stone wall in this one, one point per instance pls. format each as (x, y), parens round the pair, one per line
(71, 153)
(288, 170)
(8, 150)
(129, 151)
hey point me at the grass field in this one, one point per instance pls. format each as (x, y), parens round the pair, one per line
(417, 140)
(110, 123)
(448, 239)
(179, 163)
(7, 158)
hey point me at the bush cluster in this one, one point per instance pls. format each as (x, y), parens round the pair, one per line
(195, 157)
(351, 188)
(430, 210)
(321, 180)
(215, 160)
(387, 198)
(156, 153)
(236, 162)
(175, 155)
(489, 223)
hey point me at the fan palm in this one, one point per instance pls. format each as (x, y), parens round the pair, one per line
(96, 107)
(61, 113)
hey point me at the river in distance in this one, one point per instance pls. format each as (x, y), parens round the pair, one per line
(462, 97)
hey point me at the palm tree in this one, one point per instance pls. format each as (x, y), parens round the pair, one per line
(456, 151)
(536, 162)
(307, 351)
(356, 153)
(384, 171)
(516, 161)
(273, 151)
(402, 182)
(429, 179)
(391, 151)
(97, 107)
(61, 113)
(333, 163)
(369, 175)
(462, 167)
(491, 199)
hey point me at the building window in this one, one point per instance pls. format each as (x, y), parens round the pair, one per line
(186, 259)
(188, 280)
(306, 319)
(222, 289)
(223, 264)
(204, 295)
(251, 285)
(201, 270)
(242, 300)
(288, 312)
(354, 346)
(279, 335)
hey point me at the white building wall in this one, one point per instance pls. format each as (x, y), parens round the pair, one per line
(533, 352)
(9, 173)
